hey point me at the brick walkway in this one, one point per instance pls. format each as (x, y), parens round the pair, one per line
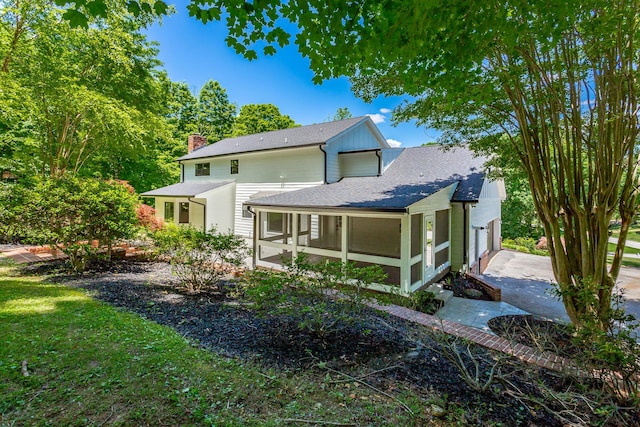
(493, 342)
(22, 255)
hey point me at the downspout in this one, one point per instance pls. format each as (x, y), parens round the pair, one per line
(465, 246)
(181, 171)
(325, 163)
(204, 207)
(255, 238)
(378, 152)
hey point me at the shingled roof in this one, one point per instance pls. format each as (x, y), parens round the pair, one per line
(416, 173)
(301, 136)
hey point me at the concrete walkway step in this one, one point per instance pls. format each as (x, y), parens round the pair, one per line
(440, 293)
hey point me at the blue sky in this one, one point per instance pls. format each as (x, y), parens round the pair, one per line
(194, 53)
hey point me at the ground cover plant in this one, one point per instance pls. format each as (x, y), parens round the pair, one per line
(87, 361)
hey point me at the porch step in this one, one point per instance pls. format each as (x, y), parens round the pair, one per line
(440, 293)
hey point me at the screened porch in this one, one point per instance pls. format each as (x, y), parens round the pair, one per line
(412, 249)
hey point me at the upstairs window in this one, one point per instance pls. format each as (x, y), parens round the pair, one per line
(234, 167)
(168, 211)
(203, 169)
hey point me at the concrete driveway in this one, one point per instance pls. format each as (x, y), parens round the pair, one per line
(526, 281)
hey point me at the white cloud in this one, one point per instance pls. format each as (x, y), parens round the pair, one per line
(393, 143)
(385, 110)
(377, 117)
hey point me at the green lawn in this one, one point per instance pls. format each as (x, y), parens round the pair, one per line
(91, 364)
(634, 232)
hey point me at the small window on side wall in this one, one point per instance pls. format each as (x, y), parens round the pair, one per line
(246, 213)
(203, 169)
(184, 213)
(234, 167)
(169, 211)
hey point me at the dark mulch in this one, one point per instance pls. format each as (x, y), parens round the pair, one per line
(534, 332)
(465, 288)
(404, 355)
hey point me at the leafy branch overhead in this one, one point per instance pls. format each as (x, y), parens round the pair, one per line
(79, 12)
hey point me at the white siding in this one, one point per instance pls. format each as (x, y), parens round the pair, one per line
(276, 166)
(486, 210)
(359, 164)
(244, 191)
(358, 138)
(220, 208)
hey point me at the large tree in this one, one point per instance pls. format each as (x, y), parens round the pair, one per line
(556, 81)
(84, 92)
(216, 115)
(256, 118)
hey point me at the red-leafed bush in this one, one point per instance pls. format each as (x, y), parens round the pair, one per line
(147, 217)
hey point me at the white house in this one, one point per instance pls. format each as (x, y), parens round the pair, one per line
(338, 191)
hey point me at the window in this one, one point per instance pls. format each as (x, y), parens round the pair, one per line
(168, 211)
(203, 169)
(234, 167)
(184, 213)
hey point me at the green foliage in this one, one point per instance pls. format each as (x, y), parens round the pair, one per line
(70, 212)
(13, 198)
(82, 101)
(342, 113)
(518, 218)
(524, 244)
(322, 299)
(216, 115)
(256, 118)
(425, 301)
(613, 353)
(200, 259)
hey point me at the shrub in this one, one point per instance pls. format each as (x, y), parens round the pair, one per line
(425, 301)
(147, 218)
(12, 224)
(68, 213)
(322, 299)
(200, 259)
(524, 244)
(613, 354)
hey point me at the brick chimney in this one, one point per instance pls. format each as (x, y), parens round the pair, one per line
(195, 142)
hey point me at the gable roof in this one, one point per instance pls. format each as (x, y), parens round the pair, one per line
(416, 173)
(301, 136)
(186, 189)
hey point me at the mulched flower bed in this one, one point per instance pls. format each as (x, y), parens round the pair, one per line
(393, 353)
(533, 332)
(464, 288)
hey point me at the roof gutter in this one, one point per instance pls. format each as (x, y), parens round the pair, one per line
(328, 209)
